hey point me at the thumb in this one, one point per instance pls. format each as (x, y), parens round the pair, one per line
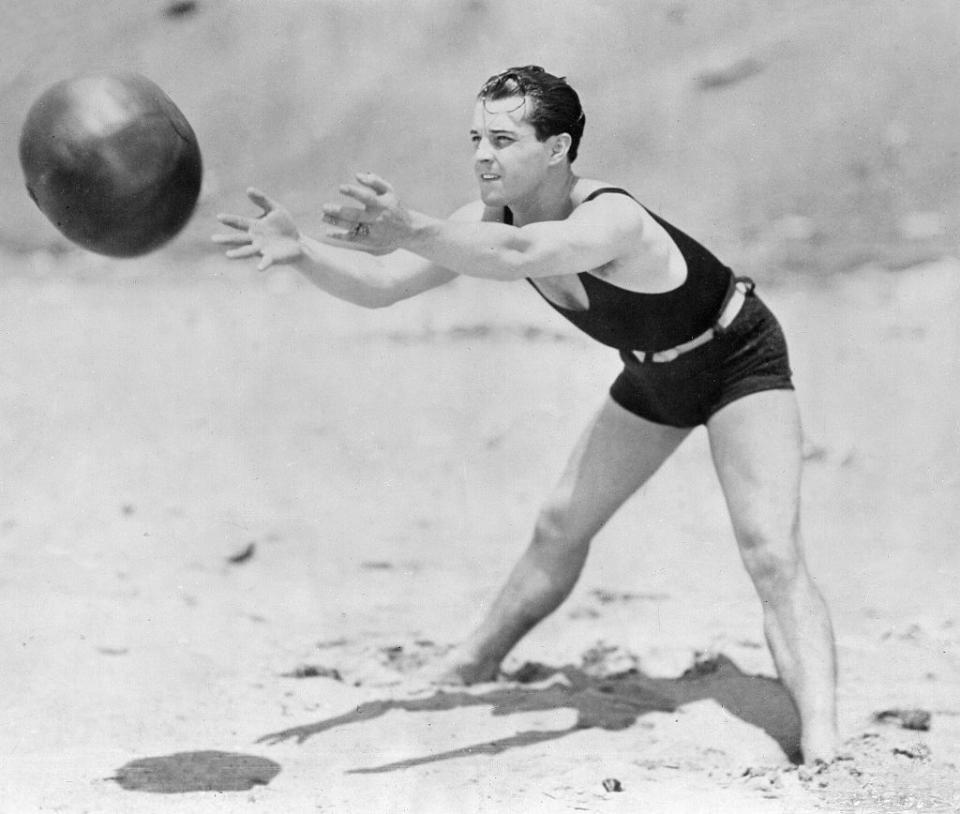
(265, 203)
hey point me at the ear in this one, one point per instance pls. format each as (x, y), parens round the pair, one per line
(559, 147)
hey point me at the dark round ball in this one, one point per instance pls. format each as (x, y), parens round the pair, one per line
(112, 162)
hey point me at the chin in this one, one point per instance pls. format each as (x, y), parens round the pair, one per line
(492, 197)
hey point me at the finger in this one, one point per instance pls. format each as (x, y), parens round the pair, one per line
(236, 221)
(332, 213)
(232, 239)
(375, 182)
(261, 200)
(265, 262)
(362, 194)
(242, 252)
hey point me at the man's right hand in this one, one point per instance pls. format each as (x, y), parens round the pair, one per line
(273, 235)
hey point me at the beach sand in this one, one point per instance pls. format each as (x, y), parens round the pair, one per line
(237, 516)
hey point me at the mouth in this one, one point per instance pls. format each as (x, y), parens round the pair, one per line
(487, 177)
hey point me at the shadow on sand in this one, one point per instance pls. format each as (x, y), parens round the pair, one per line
(196, 771)
(613, 703)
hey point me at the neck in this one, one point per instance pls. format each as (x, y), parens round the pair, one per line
(550, 201)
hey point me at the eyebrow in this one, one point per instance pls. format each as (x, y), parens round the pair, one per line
(498, 131)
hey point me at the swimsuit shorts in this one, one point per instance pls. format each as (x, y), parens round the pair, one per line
(748, 357)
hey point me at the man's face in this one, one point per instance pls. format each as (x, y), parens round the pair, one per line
(509, 162)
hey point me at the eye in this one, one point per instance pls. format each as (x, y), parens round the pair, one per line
(503, 141)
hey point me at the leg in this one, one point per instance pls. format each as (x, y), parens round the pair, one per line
(756, 445)
(615, 456)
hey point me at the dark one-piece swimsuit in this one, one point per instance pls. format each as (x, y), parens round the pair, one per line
(748, 356)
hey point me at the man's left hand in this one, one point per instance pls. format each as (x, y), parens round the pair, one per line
(380, 226)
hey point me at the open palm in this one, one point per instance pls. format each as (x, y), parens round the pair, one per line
(273, 235)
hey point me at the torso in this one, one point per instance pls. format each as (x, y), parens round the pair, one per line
(654, 267)
(665, 292)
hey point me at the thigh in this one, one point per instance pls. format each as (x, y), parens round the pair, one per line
(614, 456)
(756, 447)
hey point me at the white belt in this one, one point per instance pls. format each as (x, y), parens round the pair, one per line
(727, 316)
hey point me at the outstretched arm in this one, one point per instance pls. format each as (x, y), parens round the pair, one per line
(594, 234)
(365, 279)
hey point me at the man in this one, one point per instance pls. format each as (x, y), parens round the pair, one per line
(698, 346)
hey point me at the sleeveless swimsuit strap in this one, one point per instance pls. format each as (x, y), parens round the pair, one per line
(508, 215)
(603, 190)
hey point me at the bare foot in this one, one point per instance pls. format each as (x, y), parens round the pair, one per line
(457, 668)
(819, 749)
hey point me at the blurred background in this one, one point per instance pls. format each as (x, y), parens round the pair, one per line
(810, 135)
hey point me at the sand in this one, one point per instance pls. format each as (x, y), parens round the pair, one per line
(238, 515)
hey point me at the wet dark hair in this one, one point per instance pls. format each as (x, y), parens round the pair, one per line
(556, 107)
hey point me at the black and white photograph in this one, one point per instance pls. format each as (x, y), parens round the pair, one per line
(479, 407)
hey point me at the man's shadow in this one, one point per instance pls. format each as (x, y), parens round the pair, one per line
(612, 703)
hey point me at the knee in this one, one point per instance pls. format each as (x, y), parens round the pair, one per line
(772, 557)
(557, 528)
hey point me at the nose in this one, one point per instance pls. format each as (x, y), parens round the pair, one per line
(483, 151)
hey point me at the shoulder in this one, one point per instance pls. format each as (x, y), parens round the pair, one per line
(600, 201)
(588, 190)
